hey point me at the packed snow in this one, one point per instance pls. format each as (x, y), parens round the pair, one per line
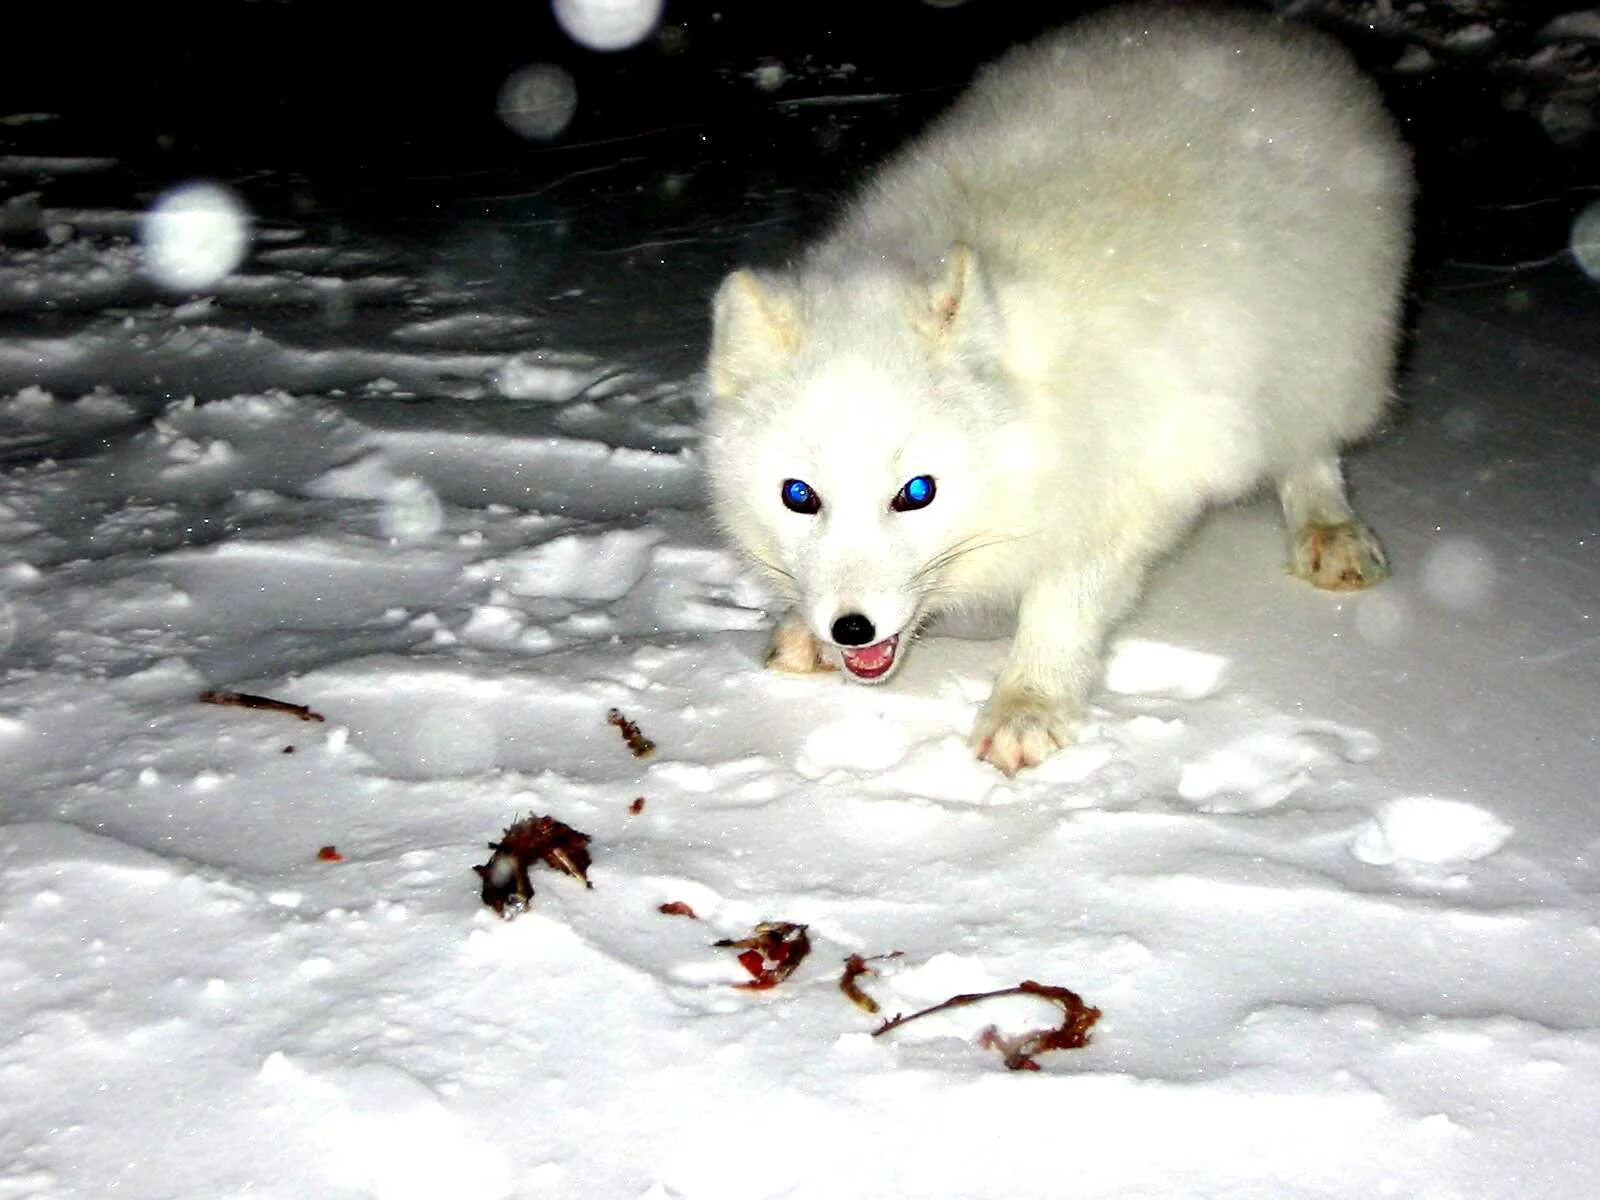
(1327, 864)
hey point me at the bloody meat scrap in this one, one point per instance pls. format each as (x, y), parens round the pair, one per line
(854, 968)
(1018, 1052)
(677, 908)
(771, 953)
(246, 700)
(506, 886)
(637, 742)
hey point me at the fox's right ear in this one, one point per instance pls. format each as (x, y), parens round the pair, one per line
(756, 325)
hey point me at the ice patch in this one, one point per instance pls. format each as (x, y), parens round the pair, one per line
(1423, 829)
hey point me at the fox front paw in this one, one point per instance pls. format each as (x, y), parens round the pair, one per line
(1339, 558)
(1020, 729)
(794, 651)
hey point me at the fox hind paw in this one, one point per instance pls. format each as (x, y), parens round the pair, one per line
(1339, 558)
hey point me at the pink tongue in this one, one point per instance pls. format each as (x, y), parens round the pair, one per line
(868, 660)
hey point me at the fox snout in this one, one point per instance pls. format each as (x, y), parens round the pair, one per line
(853, 629)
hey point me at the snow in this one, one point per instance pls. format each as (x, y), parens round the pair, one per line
(1328, 864)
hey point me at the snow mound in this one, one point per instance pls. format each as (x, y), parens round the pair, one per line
(1425, 829)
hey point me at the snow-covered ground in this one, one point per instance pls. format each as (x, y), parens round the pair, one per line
(1328, 865)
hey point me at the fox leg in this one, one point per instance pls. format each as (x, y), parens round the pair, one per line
(1054, 661)
(1329, 546)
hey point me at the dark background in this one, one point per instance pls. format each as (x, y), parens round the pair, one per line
(360, 97)
(378, 124)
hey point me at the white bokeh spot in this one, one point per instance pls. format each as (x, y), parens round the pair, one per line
(1458, 573)
(1383, 615)
(607, 24)
(1585, 239)
(538, 101)
(412, 512)
(194, 236)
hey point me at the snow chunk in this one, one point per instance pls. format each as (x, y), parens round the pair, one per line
(1583, 25)
(1423, 829)
(1142, 668)
(1479, 35)
(1263, 769)
(535, 377)
(370, 477)
(576, 566)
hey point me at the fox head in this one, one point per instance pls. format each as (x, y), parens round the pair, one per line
(854, 418)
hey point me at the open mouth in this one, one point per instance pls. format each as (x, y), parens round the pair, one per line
(870, 662)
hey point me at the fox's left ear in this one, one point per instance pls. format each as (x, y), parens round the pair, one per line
(961, 311)
(756, 325)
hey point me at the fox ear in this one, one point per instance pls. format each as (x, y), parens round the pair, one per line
(960, 308)
(755, 325)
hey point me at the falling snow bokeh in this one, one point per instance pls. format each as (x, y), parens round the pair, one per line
(538, 101)
(412, 512)
(194, 236)
(1458, 573)
(1585, 240)
(608, 24)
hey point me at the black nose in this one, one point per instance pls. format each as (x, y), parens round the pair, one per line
(853, 629)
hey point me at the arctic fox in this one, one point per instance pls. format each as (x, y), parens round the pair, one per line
(1143, 265)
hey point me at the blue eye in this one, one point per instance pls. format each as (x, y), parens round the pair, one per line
(798, 497)
(917, 493)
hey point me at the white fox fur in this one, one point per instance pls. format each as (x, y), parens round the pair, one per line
(1143, 265)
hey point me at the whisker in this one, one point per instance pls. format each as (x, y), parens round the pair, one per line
(784, 583)
(959, 550)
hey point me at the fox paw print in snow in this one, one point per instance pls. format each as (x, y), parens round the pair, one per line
(1017, 730)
